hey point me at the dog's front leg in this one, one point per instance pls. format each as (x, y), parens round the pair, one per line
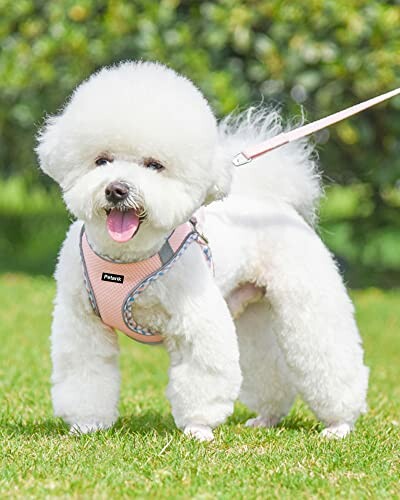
(85, 377)
(204, 375)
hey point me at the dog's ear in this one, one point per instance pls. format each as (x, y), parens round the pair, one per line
(222, 169)
(47, 148)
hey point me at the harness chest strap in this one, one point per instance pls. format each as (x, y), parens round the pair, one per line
(113, 286)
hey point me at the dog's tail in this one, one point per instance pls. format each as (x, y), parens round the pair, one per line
(288, 173)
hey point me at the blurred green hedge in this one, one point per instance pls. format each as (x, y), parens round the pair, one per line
(315, 55)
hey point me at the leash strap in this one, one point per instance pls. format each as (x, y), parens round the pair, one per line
(284, 138)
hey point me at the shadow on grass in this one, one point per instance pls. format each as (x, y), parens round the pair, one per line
(150, 422)
(297, 420)
(49, 427)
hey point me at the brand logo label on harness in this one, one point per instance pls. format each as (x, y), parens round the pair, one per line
(114, 278)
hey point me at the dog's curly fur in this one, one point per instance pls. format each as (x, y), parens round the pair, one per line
(276, 297)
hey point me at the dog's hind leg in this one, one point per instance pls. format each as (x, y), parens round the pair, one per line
(267, 387)
(313, 321)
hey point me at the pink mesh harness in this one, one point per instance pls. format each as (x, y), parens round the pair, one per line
(113, 286)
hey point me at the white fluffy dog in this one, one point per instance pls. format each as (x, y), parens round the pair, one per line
(137, 145)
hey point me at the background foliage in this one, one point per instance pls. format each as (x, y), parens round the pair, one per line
(319, 54)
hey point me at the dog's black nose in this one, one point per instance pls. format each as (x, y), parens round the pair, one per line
(116, 191)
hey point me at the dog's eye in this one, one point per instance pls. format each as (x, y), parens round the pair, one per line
(153, 165)
(103, 160)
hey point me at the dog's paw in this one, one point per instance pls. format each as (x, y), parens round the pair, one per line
(88, 428)
(262, 422)
(336, 431)
(199, 432)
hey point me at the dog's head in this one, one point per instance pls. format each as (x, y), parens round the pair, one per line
(135, 151)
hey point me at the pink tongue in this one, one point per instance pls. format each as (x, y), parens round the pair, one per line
(122, 226)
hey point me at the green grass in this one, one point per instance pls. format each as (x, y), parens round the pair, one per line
(145, 456)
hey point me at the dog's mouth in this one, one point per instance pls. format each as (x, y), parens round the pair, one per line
(122, 225)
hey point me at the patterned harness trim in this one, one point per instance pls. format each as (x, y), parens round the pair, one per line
(104, 298)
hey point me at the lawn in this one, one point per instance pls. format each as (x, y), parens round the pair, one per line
(145, 456)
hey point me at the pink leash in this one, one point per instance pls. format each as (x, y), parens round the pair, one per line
(279, 140)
